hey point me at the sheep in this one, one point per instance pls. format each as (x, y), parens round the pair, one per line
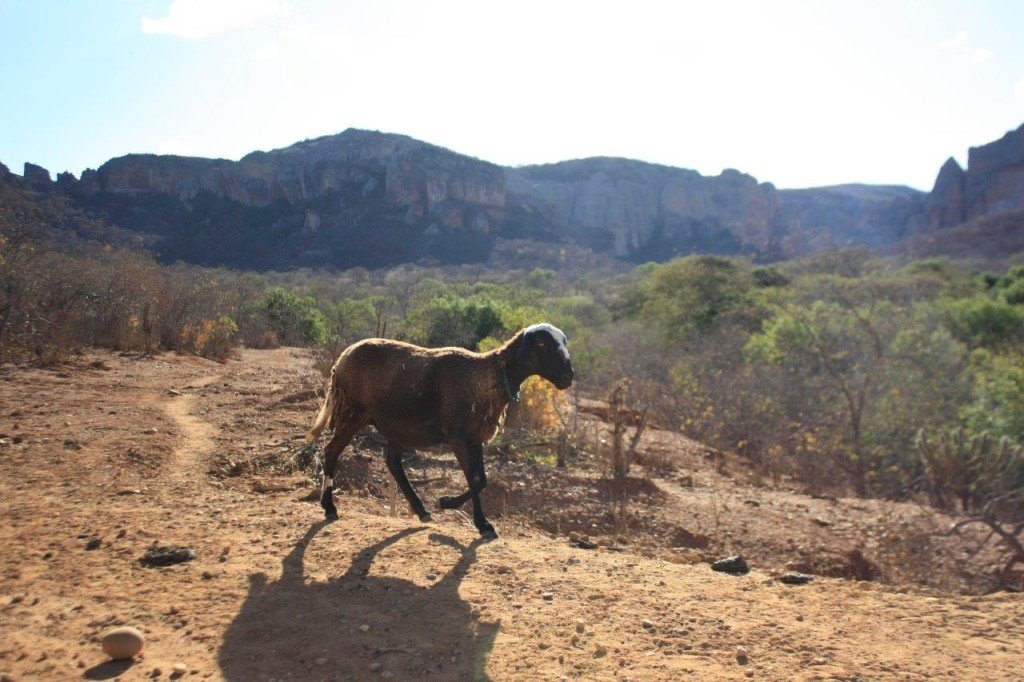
(418, 397)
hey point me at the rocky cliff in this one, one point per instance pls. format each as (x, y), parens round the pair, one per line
(822, 218)
(370, 198)
(643, 211)
(993, 183)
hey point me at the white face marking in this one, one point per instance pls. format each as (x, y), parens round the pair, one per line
(553, 331)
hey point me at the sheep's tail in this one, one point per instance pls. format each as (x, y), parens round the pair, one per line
(323, 417)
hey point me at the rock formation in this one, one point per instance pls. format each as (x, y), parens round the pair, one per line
(620, 207)
(644, 211)
(995, 175)
(37, 178)
(370, 198)
(947, 203)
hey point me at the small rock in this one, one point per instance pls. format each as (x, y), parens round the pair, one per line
(94, 543)
(733, 565)
(173, 392)
(375, 666)
(156, 672)
(648, 625)
(600, 651)
(581, 625)
(363, 628)
(583, 542)
(741, 655)
(166, 556)
(121, 643)
(150, 431)
(387, 675)
(178, 669)
(207, 575)
(547, 596)
(794, 578)
(321, 661)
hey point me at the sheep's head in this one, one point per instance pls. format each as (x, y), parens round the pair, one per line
(544, 351)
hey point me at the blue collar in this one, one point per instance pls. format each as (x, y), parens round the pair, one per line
(508, 389)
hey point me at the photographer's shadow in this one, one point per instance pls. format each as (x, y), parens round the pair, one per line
(292, 628)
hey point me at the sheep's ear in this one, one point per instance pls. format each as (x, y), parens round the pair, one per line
(525, 348)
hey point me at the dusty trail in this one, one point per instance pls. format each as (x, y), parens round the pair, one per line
(196, 436)
(274, 593)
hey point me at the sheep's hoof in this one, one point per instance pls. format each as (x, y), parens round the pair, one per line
(425, 517)
(331, 516)
(446, 502)
(489, 534)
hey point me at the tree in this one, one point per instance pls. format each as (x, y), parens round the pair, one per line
(296, 320)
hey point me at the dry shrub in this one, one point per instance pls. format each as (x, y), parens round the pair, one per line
(268, 339)
(908, 551)
(325, 356)
(539, 408)
(209, 338)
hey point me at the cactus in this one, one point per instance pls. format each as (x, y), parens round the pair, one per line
(968, 468)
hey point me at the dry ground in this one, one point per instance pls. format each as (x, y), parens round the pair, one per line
(276, 594)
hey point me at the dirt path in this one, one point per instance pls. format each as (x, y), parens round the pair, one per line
(195, 436)
(274, 593)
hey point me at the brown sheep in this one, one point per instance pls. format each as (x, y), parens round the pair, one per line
(417, 397)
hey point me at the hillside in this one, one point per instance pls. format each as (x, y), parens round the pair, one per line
(106, 456)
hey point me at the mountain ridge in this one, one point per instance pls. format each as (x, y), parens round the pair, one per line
(364, 197)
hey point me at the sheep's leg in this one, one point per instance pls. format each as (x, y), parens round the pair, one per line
(471, 458)
(393, 453)
(343, 433)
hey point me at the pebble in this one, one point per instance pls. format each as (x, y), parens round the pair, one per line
(547, 596)
(364, 628)
(150, 431)
(600, 650)
(581, 625)
(321, 661)
(648, 625)
(733, 565)
(794, 578)
(741, 654)
(387, 674)
(179, 669)
(375, 666)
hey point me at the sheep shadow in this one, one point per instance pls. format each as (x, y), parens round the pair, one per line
(295, 628)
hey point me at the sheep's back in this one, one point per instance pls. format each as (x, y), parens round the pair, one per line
(416, 396)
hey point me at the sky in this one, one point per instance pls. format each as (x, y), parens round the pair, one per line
(795, 93)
